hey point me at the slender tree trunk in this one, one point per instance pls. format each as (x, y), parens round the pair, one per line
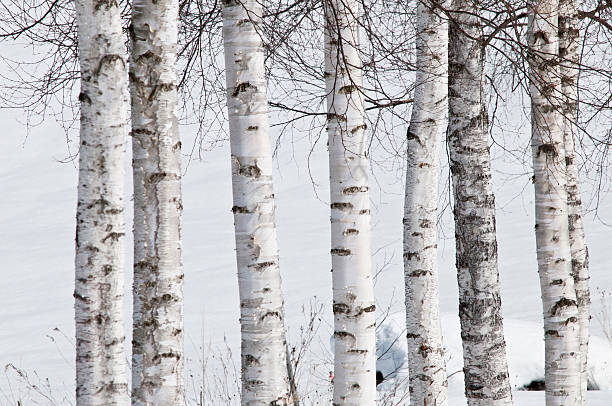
(569, 60)
(157, 346)
(101, 370)
(264, 365)
(428, 384)
(487, 381)
(561, 325)
(353, 289)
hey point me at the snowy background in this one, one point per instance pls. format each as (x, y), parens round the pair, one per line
(37, 226)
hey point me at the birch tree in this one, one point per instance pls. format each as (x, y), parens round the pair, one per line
(428, 384)
(264, 366)
(353, 289)
(157, 345)
(101, 370)
(484, 348)
(569, 70)
(561, 324)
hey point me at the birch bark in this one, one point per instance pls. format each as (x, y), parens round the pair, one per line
(569, 60)
(428, 384)
(484, 348)
(264, 366)
(353, 290)
(157, 345)
(561, 325)
(101, 370)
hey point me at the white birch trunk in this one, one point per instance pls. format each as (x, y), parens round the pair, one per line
(561, 325)
(487, 381)
(264, 366)
(353, 289)
(428, 384)
(569, 60)
(101, 370)
(157, 345)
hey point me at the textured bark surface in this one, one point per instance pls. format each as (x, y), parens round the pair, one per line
(428, 384)
(157, 345)
(353, 290)
(561, 325)
(264, 366)
(101, 370)
(569, 60)
(484, 348)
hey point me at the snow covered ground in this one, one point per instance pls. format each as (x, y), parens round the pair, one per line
(526, 358)
(37, 211)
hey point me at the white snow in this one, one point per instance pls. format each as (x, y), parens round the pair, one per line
(525, 346)
(37, 211)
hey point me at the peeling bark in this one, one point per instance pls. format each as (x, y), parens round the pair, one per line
(569, 60)
(157, 345)
(561, 325)
(264, 363)
(353, 290)
(101, 370)
(487, 381)
(428, 384)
